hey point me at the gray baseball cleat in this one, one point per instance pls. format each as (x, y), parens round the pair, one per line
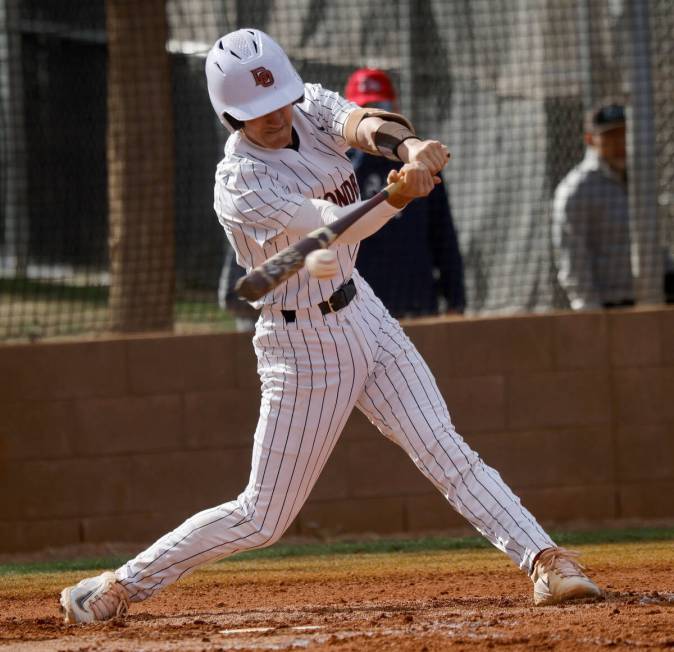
(558, 577)
(93, 599)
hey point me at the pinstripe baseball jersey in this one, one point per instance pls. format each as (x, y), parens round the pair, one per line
(258, 190)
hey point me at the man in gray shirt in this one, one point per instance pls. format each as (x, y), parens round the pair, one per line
(590, 228)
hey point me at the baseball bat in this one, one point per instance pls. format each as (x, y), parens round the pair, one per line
(285, 263)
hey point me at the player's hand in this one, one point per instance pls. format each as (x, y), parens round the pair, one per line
(432, 153)
(417, 181)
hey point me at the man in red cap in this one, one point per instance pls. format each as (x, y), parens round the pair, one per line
(370, 86)
(414, 265)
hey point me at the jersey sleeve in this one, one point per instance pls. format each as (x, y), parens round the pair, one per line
(249, 198)
(327, 109)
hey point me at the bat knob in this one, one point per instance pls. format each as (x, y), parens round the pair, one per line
(245, 289)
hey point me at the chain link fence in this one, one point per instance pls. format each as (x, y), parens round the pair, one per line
(109, 143)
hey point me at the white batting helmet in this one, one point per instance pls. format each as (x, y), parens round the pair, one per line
(249, 75)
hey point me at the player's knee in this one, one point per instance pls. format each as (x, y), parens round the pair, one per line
(269, 536)
(466, 466)
(451, 453)
(263, 529)
(263, 536)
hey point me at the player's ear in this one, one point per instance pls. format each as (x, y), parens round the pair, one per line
(588, 137)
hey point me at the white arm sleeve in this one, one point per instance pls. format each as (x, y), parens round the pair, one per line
(315, 213)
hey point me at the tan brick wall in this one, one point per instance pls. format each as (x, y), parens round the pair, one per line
(121, 439)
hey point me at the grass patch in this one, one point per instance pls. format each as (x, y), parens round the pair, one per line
(355, 547)
(33, 289)
(95, 563)
(35, 309)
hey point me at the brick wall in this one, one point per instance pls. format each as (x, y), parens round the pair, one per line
(121, 439)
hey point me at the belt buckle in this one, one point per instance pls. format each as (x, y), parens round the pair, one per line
(340, 294)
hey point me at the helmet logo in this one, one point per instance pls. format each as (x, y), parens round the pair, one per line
(262, 76)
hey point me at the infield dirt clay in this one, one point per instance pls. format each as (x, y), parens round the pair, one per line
(408, 601)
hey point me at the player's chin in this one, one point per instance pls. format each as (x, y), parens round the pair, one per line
(278, 138)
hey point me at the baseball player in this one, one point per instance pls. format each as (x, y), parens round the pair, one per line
(324, 342)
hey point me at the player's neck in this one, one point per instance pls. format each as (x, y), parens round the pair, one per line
(294, 142)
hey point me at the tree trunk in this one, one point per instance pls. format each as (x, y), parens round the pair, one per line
(140, 155)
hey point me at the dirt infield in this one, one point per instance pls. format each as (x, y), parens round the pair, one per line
(460, 600)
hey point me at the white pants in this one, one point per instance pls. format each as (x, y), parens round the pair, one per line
(313, 372)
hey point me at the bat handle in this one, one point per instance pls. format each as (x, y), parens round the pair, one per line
(393, 188)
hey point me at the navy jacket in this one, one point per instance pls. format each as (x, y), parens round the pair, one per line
(415, 258)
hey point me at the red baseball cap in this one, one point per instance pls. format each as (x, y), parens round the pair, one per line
(367, 85)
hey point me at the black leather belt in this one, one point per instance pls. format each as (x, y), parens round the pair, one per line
(339, 299)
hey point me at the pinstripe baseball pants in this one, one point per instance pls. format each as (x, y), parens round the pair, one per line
(313, 372)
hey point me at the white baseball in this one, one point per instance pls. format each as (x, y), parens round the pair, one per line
(322, 263)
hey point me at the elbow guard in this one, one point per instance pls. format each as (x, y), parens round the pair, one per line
(384, 141)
